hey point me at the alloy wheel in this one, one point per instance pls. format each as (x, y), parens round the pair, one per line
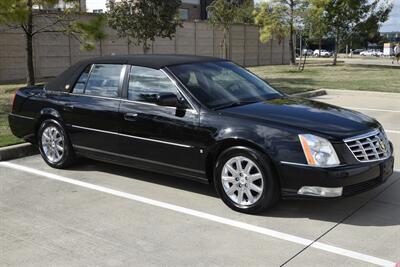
(53, 144)
(242, 181)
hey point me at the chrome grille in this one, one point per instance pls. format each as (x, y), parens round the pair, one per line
(368, 147)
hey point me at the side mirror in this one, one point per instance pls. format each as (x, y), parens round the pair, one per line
(170, 100)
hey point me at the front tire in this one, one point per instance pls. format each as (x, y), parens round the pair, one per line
(245, 181)
(54, 145)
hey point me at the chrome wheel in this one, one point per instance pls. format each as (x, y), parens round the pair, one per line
(53, 144)
(242, 181)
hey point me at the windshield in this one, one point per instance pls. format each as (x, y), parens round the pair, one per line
(223, 83)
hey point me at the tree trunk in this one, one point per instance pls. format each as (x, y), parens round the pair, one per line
(319, 47)
(291, 46)
(301, 51)
(30, 80)
(225, 44)
(336, 49)
(146, 47)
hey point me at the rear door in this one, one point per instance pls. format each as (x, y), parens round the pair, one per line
(90, 111)
(164, 136)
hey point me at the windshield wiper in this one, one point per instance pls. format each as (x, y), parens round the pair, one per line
(235, 104)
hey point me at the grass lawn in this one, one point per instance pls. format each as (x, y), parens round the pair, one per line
(318, 75)
(6, 137)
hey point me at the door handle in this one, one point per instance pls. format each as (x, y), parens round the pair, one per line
(68, 107)
(131, 116)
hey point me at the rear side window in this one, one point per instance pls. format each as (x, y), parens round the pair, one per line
(99, 80)
(145, 84)
(80, 84)
(104, 80)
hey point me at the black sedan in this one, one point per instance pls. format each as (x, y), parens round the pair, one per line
(206, 119)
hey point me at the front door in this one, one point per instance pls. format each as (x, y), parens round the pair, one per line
(163, 136)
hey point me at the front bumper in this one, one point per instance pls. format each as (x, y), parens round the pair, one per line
(353, 179)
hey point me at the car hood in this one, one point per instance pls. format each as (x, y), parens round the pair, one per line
(308, 116)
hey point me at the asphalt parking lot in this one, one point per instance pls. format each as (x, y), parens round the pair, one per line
(98, 214)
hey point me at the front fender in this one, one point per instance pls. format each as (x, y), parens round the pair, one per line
(278, 142)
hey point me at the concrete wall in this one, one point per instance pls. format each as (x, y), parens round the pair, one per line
(54, 52)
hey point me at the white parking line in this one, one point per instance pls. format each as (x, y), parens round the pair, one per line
(207, 216)
(374, 109)
(392, 131)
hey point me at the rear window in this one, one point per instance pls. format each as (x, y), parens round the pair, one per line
(99, 80)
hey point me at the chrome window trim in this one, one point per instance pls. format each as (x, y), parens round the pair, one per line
(155, 105)
(95, 96)
(22, 117)
(175, 78)
(131, 136)
(180, 91)
(192, 107)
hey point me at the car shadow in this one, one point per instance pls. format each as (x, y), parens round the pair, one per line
(330, 210)
(147, 176)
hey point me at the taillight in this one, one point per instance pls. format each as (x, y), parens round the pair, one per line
(12, 100)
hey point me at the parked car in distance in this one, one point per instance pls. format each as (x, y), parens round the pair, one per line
(357, 51)
(324, 53)
(205, 119)
(379, 53)
(307, 52)
(372, 52)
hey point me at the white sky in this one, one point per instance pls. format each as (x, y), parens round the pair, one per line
(393, 24)
(95, 4)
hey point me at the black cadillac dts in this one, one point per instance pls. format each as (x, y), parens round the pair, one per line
(206, 119)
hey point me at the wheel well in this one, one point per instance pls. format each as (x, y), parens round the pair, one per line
(42, 119)
(213, 155)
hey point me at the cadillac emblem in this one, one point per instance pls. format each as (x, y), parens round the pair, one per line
(382, 145)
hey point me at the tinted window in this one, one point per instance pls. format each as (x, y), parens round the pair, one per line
(219, 84)
(80, 84)
(104, 80)
(145, 84)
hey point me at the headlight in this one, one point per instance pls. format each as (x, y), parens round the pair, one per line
(318, 151)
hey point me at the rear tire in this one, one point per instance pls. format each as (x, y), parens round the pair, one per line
(245, 180)
(54, 145)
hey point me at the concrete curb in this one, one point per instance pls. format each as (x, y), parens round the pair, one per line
(17, 151)
(311, 94)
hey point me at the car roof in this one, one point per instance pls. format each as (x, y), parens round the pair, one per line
(151, 61)
(66, 79)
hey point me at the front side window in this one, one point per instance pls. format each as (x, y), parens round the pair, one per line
(99, 80)
(222, 83)
(145, 84)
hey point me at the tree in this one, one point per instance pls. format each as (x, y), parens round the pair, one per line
(144, 20)
(292, 7)
(367, 32)
(347, 17)
(271, 21)
(29, 17)
(279, 17)
(245, 13)
(316, 21)
(223, 13)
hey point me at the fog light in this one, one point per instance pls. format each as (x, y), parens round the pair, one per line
(320, 191)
